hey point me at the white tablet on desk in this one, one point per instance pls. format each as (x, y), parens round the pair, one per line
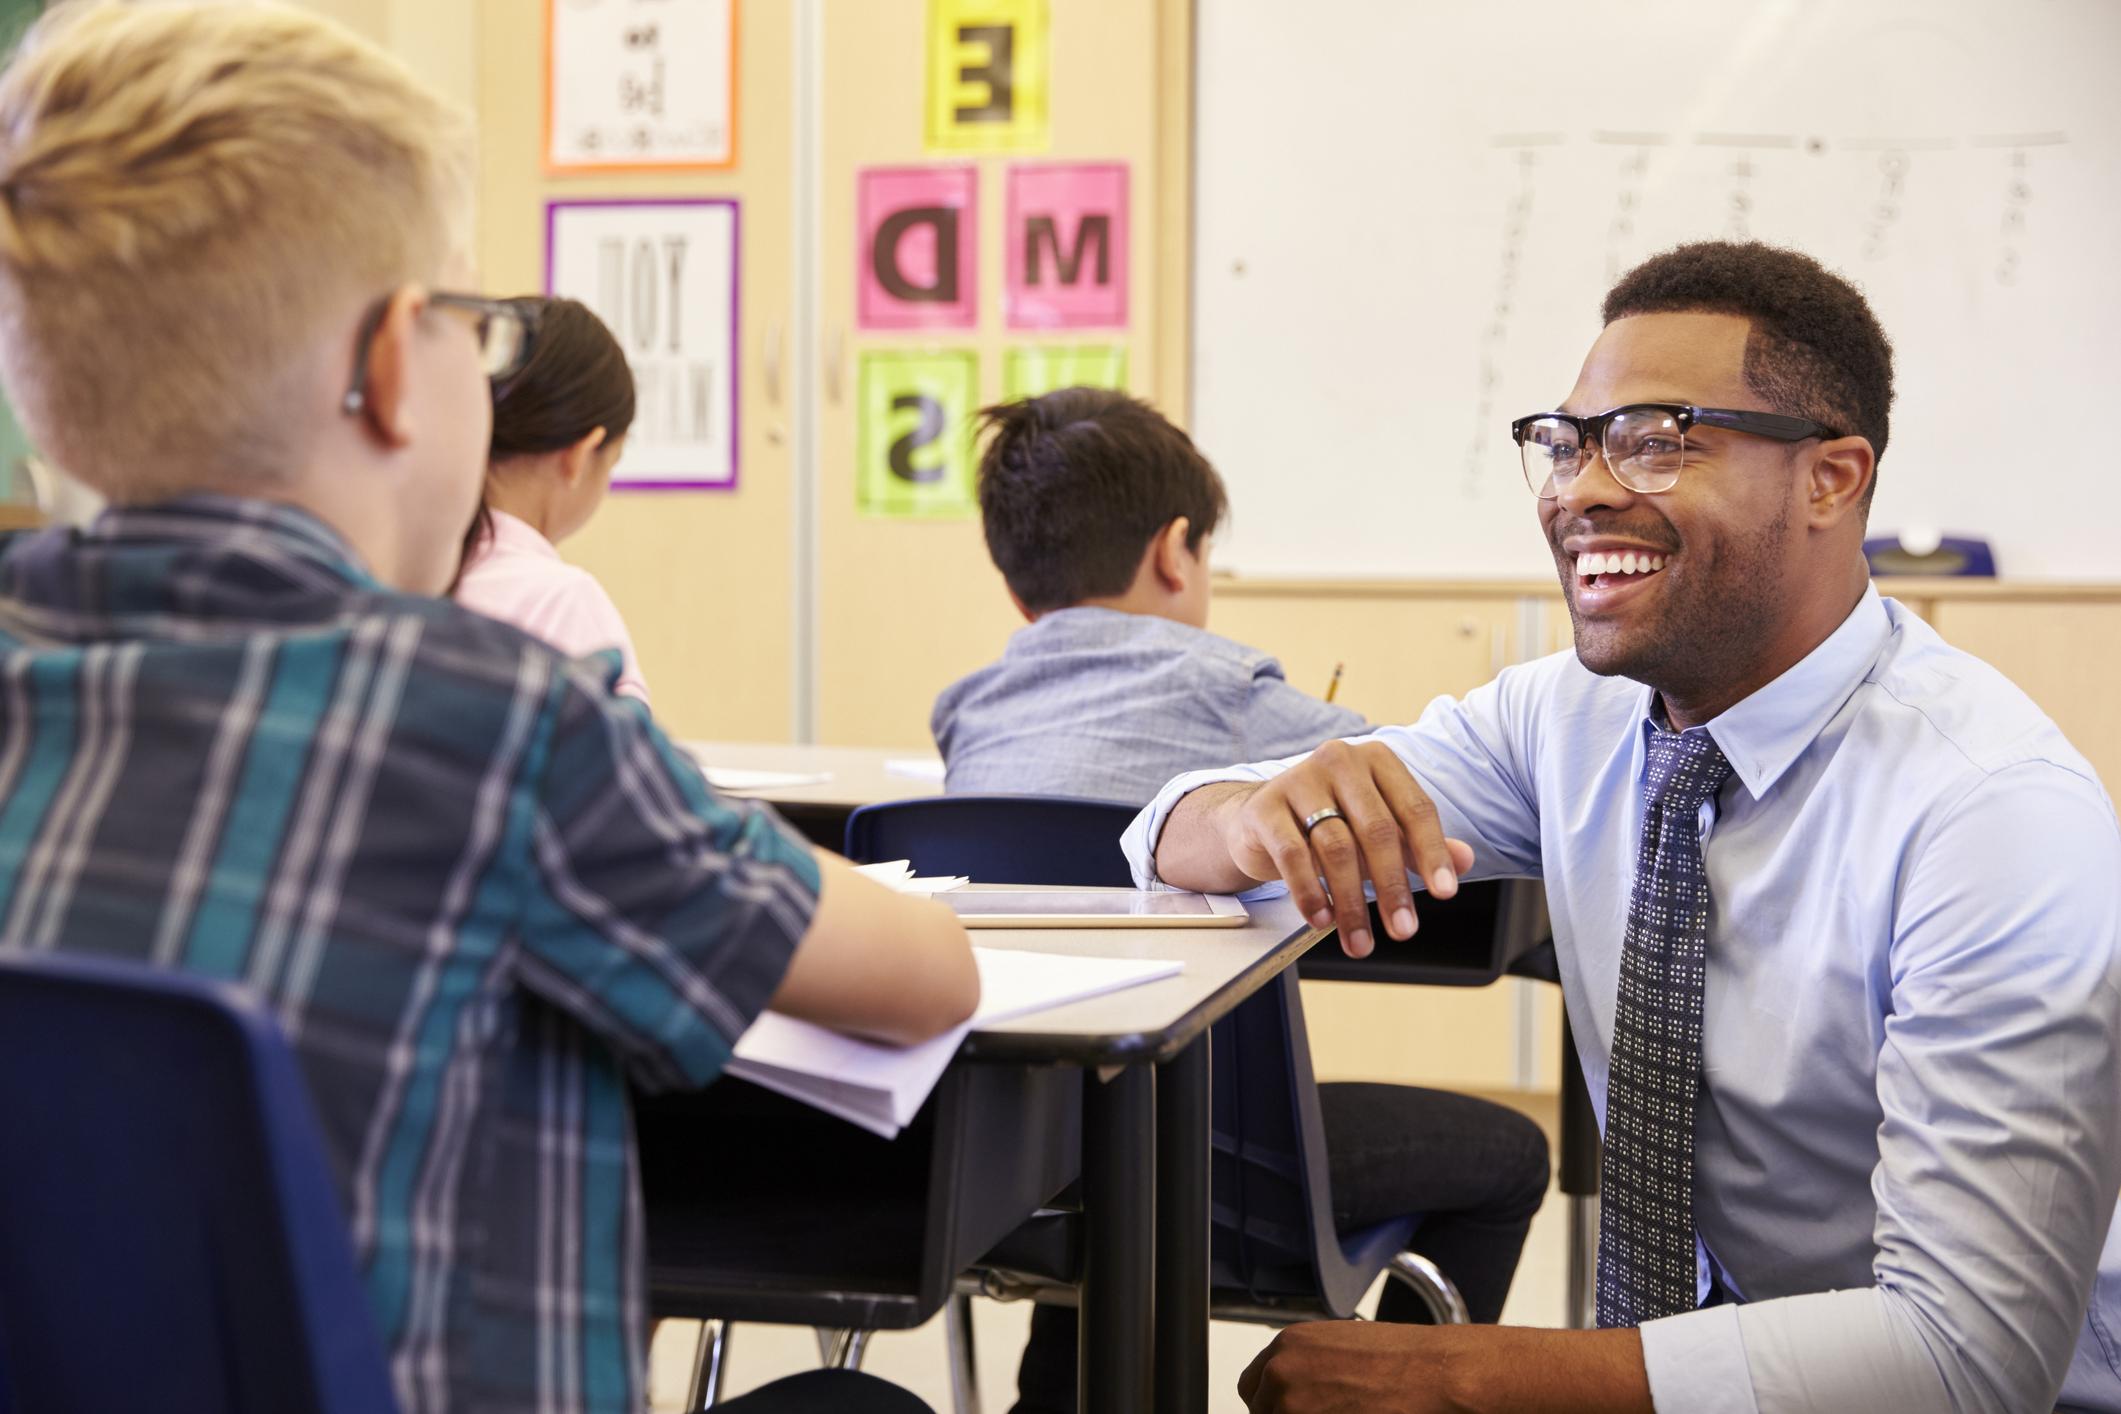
(1092, 908)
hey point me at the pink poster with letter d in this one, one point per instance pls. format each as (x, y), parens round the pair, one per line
(917, 232)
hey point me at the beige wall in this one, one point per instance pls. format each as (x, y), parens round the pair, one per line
(906, 607)
(703, 577)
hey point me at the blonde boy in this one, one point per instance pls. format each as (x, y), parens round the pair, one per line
(237, 737)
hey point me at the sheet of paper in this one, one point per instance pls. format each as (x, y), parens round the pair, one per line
(898, 874)
(881, 1087)
(916, 768)
(737, 778)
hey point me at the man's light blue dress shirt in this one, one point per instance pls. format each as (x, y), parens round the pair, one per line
(1909, 1138)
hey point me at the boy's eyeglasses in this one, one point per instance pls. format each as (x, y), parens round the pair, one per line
(505, 330)
(1644, 444)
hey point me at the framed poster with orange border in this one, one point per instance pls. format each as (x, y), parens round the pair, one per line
(640, 86)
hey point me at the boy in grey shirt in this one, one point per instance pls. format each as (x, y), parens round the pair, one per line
(1098, 513)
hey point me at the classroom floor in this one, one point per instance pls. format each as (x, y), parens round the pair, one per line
(916, 1359)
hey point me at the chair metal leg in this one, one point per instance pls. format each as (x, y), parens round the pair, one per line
(964, 1362)
(710, 1367)
(1583, 1261)
(1437, 1291)
(841, 1349)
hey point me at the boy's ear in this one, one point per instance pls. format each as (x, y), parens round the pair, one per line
(575, 459)
(1170, 558)
(1022, 608)
(384, 406)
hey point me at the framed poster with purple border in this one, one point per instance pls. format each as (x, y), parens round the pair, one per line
(662, 273)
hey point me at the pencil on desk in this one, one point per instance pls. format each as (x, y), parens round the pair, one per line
(1334, 686)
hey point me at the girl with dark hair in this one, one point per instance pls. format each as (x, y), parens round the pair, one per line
(558, 429)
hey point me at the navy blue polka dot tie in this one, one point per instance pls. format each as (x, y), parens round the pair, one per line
(1646, 1182)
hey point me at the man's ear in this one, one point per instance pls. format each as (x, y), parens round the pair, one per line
(1170, 556)
(1840, 475)
(575, 459)
(384, 404)
(1029, 617)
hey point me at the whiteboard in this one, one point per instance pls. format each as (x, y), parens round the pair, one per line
(1408, 214)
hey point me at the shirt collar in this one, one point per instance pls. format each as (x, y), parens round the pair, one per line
(211, 519)
(1764, 735)
(515, 534)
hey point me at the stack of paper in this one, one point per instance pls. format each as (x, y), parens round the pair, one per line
(898, 874)
(882, 1087)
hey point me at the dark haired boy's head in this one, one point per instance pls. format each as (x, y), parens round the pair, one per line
(1706, 553)
(1089, 495)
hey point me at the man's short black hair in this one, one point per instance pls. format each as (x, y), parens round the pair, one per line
(1074, 484)
(1816, 349)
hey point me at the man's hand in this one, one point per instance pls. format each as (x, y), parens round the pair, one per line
(1386, 827)
(1357, 1367)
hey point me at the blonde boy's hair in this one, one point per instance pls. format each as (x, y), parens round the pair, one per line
(192, 196)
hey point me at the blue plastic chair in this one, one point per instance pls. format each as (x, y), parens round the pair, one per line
(170, 1239)
(1274, 1252)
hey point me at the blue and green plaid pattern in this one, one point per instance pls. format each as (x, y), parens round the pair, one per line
(480, 893)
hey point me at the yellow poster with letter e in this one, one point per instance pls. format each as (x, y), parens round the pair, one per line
(913, 453)
(989, 75)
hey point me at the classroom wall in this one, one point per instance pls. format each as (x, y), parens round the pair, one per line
(704, 578)
(901, 607)
(712, 583)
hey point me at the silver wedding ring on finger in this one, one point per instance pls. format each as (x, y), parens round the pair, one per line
(1319, 817)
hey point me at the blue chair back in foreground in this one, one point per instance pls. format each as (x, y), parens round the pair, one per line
(1273, 1243)
(170, 1239)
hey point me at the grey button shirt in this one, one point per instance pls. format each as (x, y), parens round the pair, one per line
(1108, 706)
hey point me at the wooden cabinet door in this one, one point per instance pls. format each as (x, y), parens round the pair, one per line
(2065, 655)
(905, 607)
(1399, 652)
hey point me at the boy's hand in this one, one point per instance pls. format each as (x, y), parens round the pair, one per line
(1385, 826)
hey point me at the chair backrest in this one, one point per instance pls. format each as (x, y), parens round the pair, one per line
(1472, 939)
(999, 839)
(1273, 1236)
(170, 1238)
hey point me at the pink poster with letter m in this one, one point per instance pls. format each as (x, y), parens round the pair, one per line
(1067, 246)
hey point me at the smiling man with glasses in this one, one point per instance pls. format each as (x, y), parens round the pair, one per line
(1838, 910)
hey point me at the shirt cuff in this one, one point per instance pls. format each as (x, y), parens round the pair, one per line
(1140, 840)
(1696, 1363)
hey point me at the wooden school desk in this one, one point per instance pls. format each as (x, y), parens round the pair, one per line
(1145, 1114)
(1144, 1316)
(858, 776)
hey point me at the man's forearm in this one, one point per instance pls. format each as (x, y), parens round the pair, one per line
(1191, 853)
(1357, 1367)
(1528, 1371)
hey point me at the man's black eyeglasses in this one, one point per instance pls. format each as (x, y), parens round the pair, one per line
(1644, 444)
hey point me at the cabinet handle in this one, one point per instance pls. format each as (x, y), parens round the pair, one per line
(835, 352)
(773, 364)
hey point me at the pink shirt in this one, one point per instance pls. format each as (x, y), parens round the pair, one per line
(519, 578)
